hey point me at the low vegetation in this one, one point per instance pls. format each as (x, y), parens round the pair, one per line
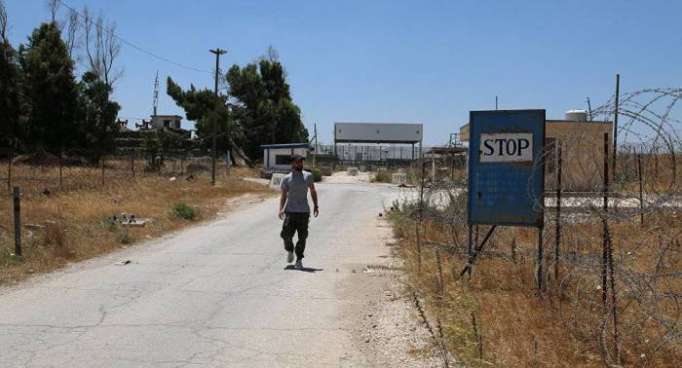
(184, 211)
(83, 221)
(497, 317)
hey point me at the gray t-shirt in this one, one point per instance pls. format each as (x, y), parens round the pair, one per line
(296, 185)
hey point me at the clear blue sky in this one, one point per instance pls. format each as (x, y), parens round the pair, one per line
(398, 61)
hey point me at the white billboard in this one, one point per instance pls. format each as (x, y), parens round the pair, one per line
(378, 132)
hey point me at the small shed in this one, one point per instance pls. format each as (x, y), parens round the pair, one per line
(277, 157)
(166, 121)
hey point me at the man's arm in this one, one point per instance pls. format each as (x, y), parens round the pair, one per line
(282, 202)
(313, 193)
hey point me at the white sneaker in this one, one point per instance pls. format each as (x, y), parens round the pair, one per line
(290, 257)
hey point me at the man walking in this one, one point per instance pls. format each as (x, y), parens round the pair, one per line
(295, 210)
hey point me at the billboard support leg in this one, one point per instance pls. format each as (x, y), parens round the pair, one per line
(479, 248)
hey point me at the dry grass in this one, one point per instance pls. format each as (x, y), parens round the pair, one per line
(74, 222)
(561, 327)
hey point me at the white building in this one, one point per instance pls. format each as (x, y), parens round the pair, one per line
(277, 157)
(166, 121)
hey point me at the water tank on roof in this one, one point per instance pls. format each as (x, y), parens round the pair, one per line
(576, 115)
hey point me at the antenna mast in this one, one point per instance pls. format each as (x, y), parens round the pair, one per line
(156, 92)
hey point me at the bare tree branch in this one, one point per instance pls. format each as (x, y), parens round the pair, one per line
(72, 28)
(102, 47)
(53, 7)
(3, 22)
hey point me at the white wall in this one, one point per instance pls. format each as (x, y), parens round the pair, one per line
(274, 152)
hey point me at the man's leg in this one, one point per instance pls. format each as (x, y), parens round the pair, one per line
(288, 230)
(302, 230)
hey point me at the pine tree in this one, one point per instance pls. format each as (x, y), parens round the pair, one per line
(10, 96)
(266, 110)
(50, 90)
(10, 103)
(98, 114)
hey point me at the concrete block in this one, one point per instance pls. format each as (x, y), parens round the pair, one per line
(399, 178)
(276, 180)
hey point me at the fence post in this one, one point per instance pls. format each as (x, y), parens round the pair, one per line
(605, 208)
(470, 247)
(421, 215)
(674, 164)
(608, 271)
(101, 165)
(540, 257)
(641, 194)
(558, 215)
(17, 221)
(9, 171)
(132, 162)
(61, 168)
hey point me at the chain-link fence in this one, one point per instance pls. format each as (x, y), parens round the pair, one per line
(45, 172)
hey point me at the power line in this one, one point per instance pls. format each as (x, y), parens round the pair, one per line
(139, 48)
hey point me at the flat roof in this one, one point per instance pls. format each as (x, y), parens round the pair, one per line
(286, 145)
(167, 116)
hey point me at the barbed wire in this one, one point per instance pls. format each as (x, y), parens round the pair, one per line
(641, 225)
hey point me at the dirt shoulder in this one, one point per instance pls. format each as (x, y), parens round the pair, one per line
(387, 326)
(65, 227)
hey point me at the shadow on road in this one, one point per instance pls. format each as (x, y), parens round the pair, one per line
(304, 269)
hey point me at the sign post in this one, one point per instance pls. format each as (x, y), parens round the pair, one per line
(506, 171)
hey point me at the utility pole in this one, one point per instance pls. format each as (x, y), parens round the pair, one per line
(217, 53)
(589, 110)
(615, 127)
(155, 104)
(495, 102)
(316, 146)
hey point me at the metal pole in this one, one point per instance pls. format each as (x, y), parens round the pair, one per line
(132, 163)
(605, 208)
(470, 248)
(9, 171)
(641, 194)
(615, 126)
(540, 257)
(17, 221)
(217, 53)
(558, 214)
(101, 164)
(315, 148)
(421, 215)
(61, 166)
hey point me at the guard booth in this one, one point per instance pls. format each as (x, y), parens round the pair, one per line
(277, 157)
(506, 173)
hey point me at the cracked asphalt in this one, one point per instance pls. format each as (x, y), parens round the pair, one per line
(214, 295)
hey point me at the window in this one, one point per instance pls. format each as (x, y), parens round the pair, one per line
(166, 123)
(282, 159)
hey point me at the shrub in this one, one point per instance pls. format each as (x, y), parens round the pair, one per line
(317, 174)
(183, 211)
(382, 176)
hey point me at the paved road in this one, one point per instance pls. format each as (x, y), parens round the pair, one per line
(216, 295)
